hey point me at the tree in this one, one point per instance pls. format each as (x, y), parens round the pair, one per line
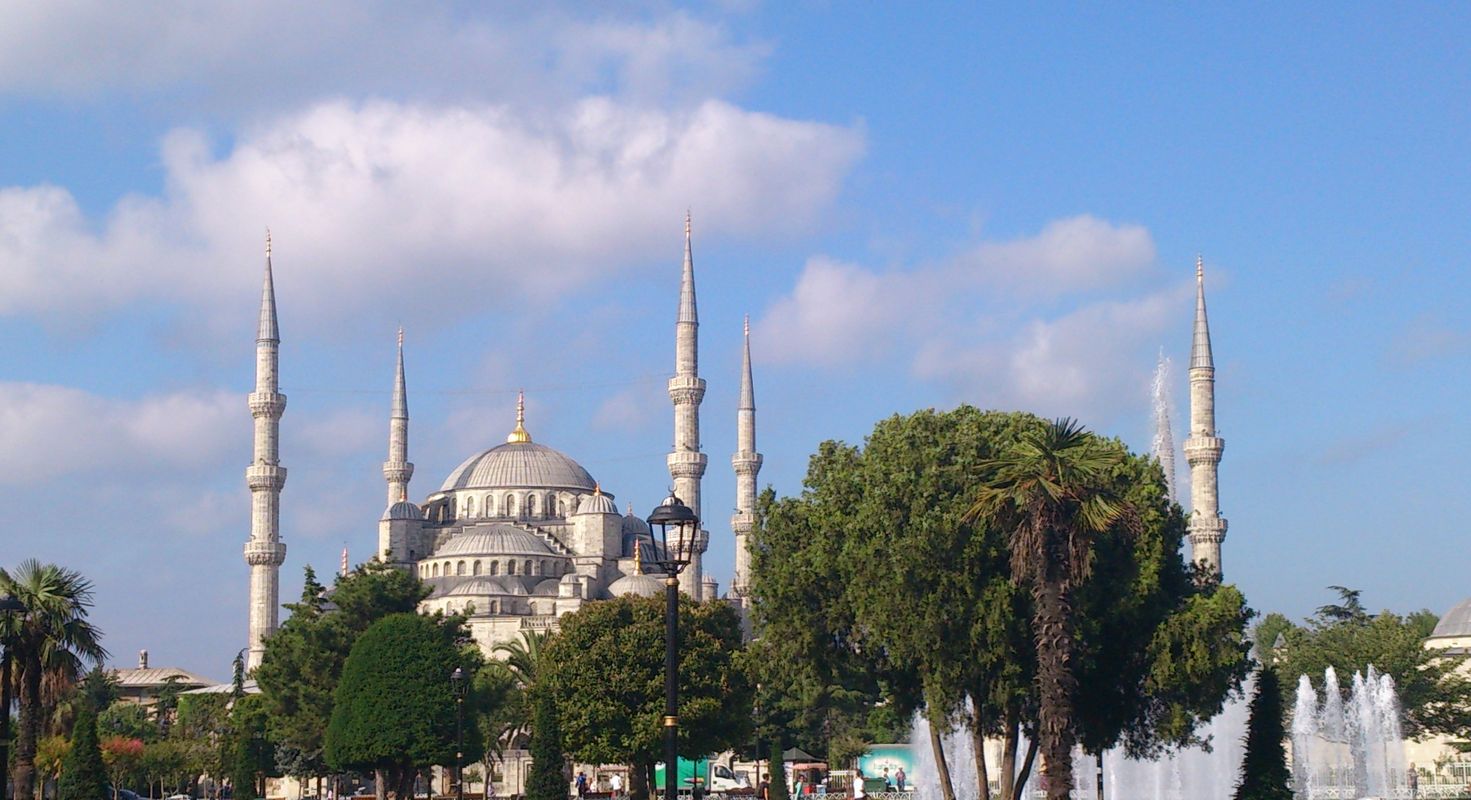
(876, 585)
(50, 754)
(1264, 773)
(48, 644)
(394, 708)
(83, 775)
(605, 671)
(304, 658)
(1050, 495)
(122, 755)
(250, 755)
(547, 780)
(128, 720)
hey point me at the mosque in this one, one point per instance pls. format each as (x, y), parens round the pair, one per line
(520, 533)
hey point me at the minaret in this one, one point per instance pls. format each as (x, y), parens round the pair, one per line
(747, 463)
(1203, 447)
(687, 389)
(265, 476)
(397, 470)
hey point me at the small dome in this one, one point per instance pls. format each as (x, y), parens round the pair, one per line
(495, 540)
(632, 524)
(547, 588)
(484, 587)
(597, 503)
(1456, 622)
(637, 585)
(403, 509)
(520, 465)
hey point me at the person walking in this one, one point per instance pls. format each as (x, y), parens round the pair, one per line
(858, 785)
(616, 784)
(899, 778)
(581, 783)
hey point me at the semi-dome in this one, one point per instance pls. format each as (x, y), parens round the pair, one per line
(403, 509)
(481, 587)
(1456, 623)
(520, 465)
(597, 503)
(637, 585)
(495, 540)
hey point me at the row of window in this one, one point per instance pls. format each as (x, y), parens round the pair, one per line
(527, 567)
(518, 506)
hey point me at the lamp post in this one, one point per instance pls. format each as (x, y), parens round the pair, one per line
(8, 604)
(457, 684)
(676, 525)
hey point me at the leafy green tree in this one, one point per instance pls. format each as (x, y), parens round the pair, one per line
(251, 755)
(605, 670)
(304, 658)
(547, 779)
(83, 775)
(128, 720)
(1264, 773)
(47, 644)
(122, 755)
(50, 755)
(394, 708)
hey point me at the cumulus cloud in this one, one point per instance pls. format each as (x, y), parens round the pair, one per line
(1046, 322)
(47, 431)
(420, 206)
(235, 56)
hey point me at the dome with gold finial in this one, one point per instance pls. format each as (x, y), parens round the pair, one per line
(520, 463)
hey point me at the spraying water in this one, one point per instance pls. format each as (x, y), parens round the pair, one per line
(1348, 749)
(1164, 438)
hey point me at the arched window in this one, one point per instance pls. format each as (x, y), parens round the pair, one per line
(528, 567)
(436, 570)
(530, 505)
(475, 569)
(460, 568)
(562, 508)
(469, 506)
(495, 606)
(546, 568)
(551, 505)
(495, 568)
(490, 505)
(510, 505)
(510, 567)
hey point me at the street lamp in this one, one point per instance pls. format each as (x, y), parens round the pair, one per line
(8, 604)
(457, 684)
(677, 526)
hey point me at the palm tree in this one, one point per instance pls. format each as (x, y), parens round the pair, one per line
(48, 643)
(521, 660)
(1051, 493)
(523, 656)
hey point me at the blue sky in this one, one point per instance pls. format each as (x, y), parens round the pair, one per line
(918, 205)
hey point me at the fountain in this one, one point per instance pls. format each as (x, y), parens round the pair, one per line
(1164, 438)
(1341, 750)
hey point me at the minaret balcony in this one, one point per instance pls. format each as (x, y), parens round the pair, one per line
(742, 522)
(1204, 449)
(265, 477)
(1207, 528)
(687, 464)
(686, 389)
(265, 553)
(398, 471)
(746, 463)
(267, 404)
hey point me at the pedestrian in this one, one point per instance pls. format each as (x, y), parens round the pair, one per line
(581, 783)
(764, 790)
(899, 778)
(858, 785)
(888, 782)
(616, 784)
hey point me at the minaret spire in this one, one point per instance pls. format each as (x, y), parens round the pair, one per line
(687, 389)
(1204, 447)
(398, 470)
(519, 435)
(265, 476)
(747, 463)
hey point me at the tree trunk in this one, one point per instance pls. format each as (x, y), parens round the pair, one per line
(380, 785)
(947, 791)
(978, 744)
(1026, 771)
(1011, 731)
(1055, 681)
(30, 726)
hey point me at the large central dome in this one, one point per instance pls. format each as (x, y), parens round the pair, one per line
(520, 465)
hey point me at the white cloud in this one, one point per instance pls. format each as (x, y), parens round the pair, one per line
(840, 313)
(47, 431)
(234, 56)
(1068, 255)
(406, 206)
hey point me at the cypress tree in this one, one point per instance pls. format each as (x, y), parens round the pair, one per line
(548, 765)
(778, 789)
(1264, 774)
(83, 776)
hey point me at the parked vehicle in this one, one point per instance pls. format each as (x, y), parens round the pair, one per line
(706, 774)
